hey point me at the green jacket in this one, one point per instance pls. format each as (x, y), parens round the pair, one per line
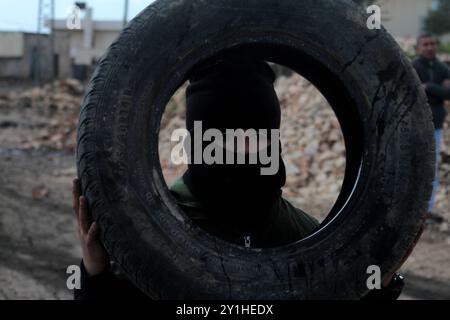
(285, 223)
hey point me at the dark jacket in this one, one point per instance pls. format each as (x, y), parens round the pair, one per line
(287, 224)
(433, 73)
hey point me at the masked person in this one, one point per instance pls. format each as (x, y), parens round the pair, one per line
(235, 202)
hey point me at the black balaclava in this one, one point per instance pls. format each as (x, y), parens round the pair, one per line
(234, 92)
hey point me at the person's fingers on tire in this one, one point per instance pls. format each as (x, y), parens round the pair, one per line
(76, 192)
(92, 235)
(83, 217)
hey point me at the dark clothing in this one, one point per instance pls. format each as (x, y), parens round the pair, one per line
(106, 286)
(433, 73)
(233, 92)
(287, 224)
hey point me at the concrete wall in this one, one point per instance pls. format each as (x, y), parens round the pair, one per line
(82, 48)
(84, 55)
(12, 44)
(62, 49)
(35, 56)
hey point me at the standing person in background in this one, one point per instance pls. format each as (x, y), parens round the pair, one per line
(435, 77)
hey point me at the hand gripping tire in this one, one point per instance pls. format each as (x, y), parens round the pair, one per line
(373, 90)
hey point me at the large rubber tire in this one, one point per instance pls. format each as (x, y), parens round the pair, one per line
(373, 90)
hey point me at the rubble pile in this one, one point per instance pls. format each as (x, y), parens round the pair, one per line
(443, 195)
(57, 107)
(312, 141)
(313, 146)
(173, 119)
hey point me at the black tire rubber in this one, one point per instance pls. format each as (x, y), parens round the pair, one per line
(373, 90)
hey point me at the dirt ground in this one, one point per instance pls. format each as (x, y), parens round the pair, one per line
(38, 238)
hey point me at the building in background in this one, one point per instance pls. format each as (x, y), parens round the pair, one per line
(25, 56)
(64, 53)
(77, 51)
(73, 53)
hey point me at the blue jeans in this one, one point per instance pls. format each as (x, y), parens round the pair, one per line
(438, 134)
